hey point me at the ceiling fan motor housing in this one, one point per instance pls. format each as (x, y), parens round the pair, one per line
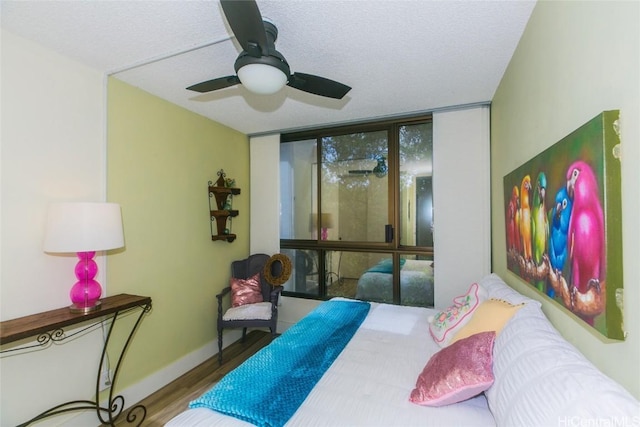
(274, 58)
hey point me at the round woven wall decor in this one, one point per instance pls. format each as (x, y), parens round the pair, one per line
(285, 267)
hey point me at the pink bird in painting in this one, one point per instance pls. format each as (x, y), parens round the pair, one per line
(585, 243)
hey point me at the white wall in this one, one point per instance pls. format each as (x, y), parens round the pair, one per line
(461, 201)
(265, 216)
(53, 149)
(264, 177)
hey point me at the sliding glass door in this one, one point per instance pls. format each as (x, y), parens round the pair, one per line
(356, 207)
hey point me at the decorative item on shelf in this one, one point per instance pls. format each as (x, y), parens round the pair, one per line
(277, 270)
(228, 203)
(84, 228)
(220, 207)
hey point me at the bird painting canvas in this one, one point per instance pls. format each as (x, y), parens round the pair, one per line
(563, 224)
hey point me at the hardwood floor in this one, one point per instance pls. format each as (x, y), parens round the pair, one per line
(174, 398)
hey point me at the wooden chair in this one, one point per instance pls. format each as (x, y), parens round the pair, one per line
(262, 315)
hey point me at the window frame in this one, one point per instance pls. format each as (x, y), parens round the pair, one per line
(393, 248)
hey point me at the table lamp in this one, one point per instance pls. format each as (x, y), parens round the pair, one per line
(326, 220)
(84, 228)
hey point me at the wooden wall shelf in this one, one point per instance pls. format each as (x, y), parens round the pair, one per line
(36, 324)
(219, 211)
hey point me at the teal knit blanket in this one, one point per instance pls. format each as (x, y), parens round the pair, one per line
(385, 266)
(269, 387)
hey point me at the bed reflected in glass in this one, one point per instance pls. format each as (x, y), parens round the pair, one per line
(362, 275)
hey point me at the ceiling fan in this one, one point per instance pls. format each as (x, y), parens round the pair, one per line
(260, 67)
(380, 169)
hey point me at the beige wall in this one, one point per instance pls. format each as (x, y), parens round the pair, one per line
(575, 60)
(160, 158)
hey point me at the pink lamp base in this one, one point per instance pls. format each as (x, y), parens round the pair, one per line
(74, 308)
(85, 293)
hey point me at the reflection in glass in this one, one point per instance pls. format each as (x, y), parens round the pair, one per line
(354, 185)
(304, 272)
(344, 270)
(375, 282)
(340, 194)
(416, 281)
(297, 177)
(416, 195)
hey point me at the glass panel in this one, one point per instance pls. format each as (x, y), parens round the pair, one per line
(416, 195)
(416, 280)
(354, 187)
(297, 179)
(304, 272)
(362, 275)
(338, 285)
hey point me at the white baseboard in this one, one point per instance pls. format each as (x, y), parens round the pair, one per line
(154, 382)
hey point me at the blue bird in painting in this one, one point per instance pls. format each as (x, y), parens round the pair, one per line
(560, 216)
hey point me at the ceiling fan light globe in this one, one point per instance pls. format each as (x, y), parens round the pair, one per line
(262, 79)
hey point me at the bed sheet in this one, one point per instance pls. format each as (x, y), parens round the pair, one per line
(370, 382)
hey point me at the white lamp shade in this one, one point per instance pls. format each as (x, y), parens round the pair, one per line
(326, 219)
(83, 227)
(262, 79)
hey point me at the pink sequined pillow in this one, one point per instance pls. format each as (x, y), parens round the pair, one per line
(246, 291)
(456, 373)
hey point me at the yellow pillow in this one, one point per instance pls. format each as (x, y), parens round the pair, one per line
(490, 315)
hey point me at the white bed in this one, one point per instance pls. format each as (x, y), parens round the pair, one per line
(370, 382)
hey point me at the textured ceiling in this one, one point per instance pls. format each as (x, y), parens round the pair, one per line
(399, 56)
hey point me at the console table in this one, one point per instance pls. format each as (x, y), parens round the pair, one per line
(48, 327)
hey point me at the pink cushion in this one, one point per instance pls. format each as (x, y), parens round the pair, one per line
(246, 291)
(446, 323)
(456, 373)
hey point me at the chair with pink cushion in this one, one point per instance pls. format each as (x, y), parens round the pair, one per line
(254, 301)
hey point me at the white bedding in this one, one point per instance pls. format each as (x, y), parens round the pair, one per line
(370, 382)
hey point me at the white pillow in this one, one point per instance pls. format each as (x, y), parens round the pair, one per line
(541, 379)
(498, 289)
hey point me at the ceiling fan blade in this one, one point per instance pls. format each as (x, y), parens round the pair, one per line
(318, 85)
(246, 23)
(215, 84)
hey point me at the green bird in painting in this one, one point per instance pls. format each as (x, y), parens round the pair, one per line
(539, 224)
